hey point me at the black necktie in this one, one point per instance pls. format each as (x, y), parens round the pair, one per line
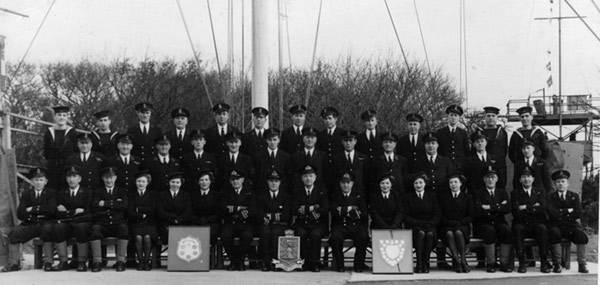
(273, 197)
(180, 137)
(371, 136)
(562, 196)
(272, 155)
(144, 130)
(125, 161)
(109, 192)
(412, 140)
(232, 159)
(37, 194)
(455, 195)
(390, 159)
(83, 158)
(329, 132)
(72, 193)
(297, 131)
(222, 131)
(307, 193)
(349, 159)
(421, 196)
(492, 194)
(308, 154)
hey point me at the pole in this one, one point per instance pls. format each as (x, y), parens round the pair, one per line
(280, 63)
(262, 46)
(560, 70)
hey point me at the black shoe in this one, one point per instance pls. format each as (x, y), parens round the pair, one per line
(15, 267)
(253, 265)
(456, 267)
(491, 268)
(131, 264)
(73, 264)
(241, 267)
(364, 266)
(443, 265)
(522, 268)
(480, 265)
(583, 269)
(465, 267)
(426, 268)
(62, 266)
(531, 264)
(544, 268)
(316, 268)
(231, 267)
(47, 266)
(141, 266)
(266, 267)
(358, 269)
(81, 267)
(556, 268)
(120, 266)
(341, 269)
(97, 267)
(505, 268)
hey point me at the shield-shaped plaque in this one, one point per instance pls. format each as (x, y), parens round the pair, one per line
(288, 252)
(392, 251)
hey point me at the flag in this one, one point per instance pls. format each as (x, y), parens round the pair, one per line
(549, 66)
(549, 81)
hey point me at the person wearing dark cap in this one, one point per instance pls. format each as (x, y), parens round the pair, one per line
(238, 209)
(564, 212)
(435, 165)
(36, 210)
(422, 215)
(109, 206)
(272, 158)
(386, 205)
(291, 138)
(215, 135)
(539, 166)
(352, 161)
(59, 143)
(308, 155)
(476, 163)
(174, 207)
(497, 141)
(390, 162)
(349, 219)
(310, 206)
(88, 160)
(527, 131)
(369, 141)
(491, 206)
(75, 220)
(453, 139)
(529, 219)
(234, 159)
(205, 205)
(103, 138)
(162, 164)
(457, 213)
(126, 164)
(180, 136)
(198, 160)
(144, 133)
(253, 140)
(411, 145)
(273, 214)
(329, 141)
(142, 219)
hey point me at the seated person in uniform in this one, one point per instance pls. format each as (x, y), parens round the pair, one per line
(205, 205)
(75, 220)
(174, 207)
(386, 206)
(349, 220)
(564, 211)
(109, 206)
(36, 211)
(142, 219)
(274, 215)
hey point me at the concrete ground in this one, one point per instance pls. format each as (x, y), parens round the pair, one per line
(249, 277)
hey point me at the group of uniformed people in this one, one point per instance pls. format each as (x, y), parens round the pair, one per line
(333, 182)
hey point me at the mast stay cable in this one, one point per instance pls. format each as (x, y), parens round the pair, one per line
(422, 38)
(396, 32)
(312, 62)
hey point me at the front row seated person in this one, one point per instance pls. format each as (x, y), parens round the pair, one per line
(142, 219)
(174, 206)
(36, 211)
(205, 205)
(386, 206)
(564, 212)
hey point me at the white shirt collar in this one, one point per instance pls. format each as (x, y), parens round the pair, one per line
(147, 125)
(163, 158)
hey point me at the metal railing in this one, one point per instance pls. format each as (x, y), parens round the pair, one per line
(544, 105)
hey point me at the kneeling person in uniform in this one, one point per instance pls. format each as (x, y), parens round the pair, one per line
(109, 206)
(349, 220)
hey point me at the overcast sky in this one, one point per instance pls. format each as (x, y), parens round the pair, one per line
(506, 48)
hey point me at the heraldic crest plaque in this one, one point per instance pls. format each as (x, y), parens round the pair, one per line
(392, 251)
(288, 252)
(189, 248)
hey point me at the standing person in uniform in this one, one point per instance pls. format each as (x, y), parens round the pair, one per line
(180, 136)
(88, 160)
(411, 145)
(103, 138)
(457, 213)
(476, 163)
(369, 141)
(390, 162)
(352, 161)
(349, 219)
(527, 131)
(539, 167)
(36, 211)
(74, 213)
(234, 159)
(564, 211)
(273, 213)
(422, 215)
(454, 140)
(109, 206)
(238, 207)
(311, 209)
(59, 143)
(272, 158)
(329, 141)
(216, 143)
(529, 212)
(162, 164)
(205, 205)
(491, 205)
(253, 141)
(144, 133)
(291, 138)
(308, 155)
(126, 164)
(174, 207)
(497, 142)
(437, 167)
(142, 219)
(386, 206)
(198, 160)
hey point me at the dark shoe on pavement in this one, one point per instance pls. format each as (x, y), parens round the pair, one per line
(531, 264)
(47, 266)
(316, 268)
(15, 267)
(556, 268)
(73, 264)
(491, 268)
(505, 268)
(131, 264)
(231, 267)
(81, 267)
(120, 266)
(266, 267)
(583, 269)
(358, 269)
(522, 268)
(241, 267)
(465, 267)
(97, 267)
(61, 266)
(544, 268)
(426, 267)
(480, 265)
(341, 269)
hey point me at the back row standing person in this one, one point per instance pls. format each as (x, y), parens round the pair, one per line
(292, 138)
(59, 143)
(144, 133)
(369, 143)
(329, 141)
(411, 145)
(253, 141)
(454, 140)
(216, 143)
(527, 132)
(180, 136)
(103, 138)
(497, 142)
